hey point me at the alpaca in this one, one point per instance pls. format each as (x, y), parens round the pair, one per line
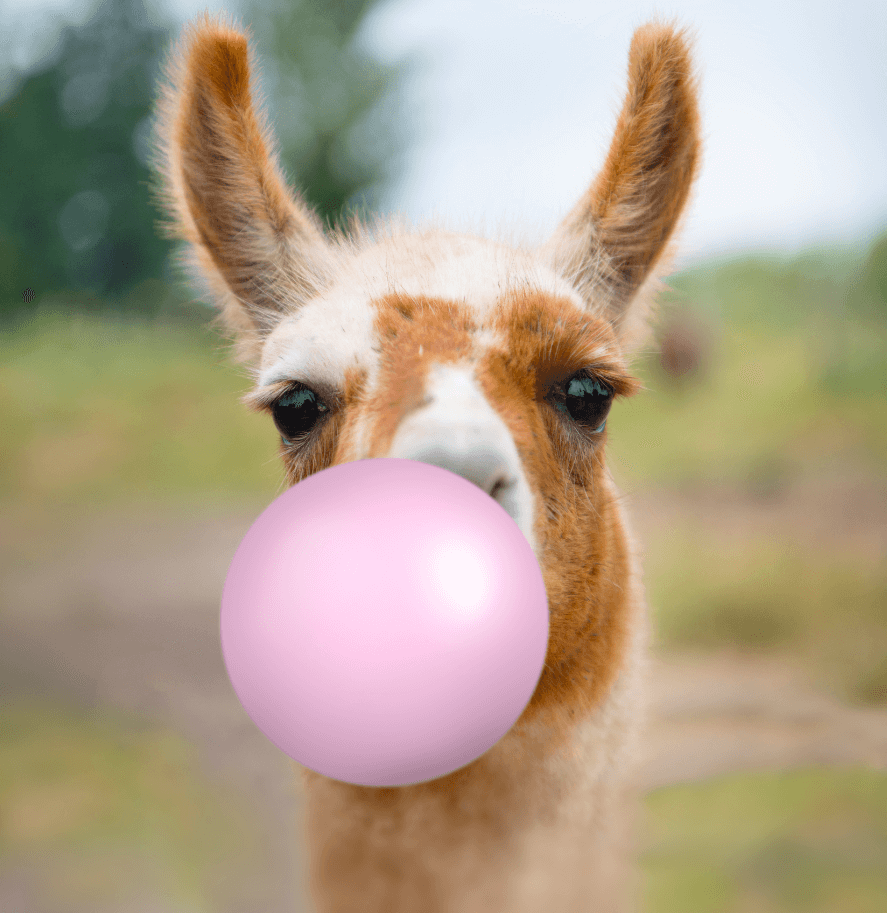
(496, 361)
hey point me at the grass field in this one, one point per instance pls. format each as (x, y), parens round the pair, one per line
(812, 841)
(791, 387)
(113, 811)
(83, 791)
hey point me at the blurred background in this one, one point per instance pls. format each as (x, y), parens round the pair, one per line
(753, 464)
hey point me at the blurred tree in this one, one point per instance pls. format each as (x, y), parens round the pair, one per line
(76, 211)
(334, 108)
(868, 293)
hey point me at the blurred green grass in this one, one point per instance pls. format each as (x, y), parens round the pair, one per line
(826, 610)
(793, 381)
(111, 812)
(101, 411)
(812, 841)
(110, 410)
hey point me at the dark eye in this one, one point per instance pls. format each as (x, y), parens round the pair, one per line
(296, 413)
(585, 400)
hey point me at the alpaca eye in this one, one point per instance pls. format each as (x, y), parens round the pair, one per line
(586, 401)
(296, 413)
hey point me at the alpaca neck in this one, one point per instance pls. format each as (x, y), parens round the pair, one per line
(537, 816)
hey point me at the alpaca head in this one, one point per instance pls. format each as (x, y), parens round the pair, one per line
(496, 362)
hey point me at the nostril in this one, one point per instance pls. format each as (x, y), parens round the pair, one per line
(500, 483)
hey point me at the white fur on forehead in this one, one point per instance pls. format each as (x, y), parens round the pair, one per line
(321, 340)
(335, 331)
(435, 263)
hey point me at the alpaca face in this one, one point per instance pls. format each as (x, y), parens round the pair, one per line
(488, 365)
(497, 363)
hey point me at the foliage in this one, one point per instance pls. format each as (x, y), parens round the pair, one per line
(868, 293)
(76, 214)
(74, 211)
(341, 123)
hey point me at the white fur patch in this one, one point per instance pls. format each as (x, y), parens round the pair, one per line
(317, 344)
(460, 431)
(472, 271)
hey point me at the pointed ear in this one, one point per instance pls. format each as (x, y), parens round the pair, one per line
(260, 249)
(616, 237)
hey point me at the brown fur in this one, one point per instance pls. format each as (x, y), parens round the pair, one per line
(535, 823)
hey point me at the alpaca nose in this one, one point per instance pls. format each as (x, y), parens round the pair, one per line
(468, 456)
(457, 429)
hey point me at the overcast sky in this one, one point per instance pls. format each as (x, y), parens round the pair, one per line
(518, 99)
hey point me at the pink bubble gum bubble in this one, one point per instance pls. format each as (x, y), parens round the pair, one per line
(384, 622)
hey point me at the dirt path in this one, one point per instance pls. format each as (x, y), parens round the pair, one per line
(122, 612)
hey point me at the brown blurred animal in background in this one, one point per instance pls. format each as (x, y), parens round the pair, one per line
(686, 342)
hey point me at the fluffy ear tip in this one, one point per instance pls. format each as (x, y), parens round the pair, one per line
(220, 40)
(210, 44)
(220, 26)
(216, 48)
(661, 70)
(662, 41)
